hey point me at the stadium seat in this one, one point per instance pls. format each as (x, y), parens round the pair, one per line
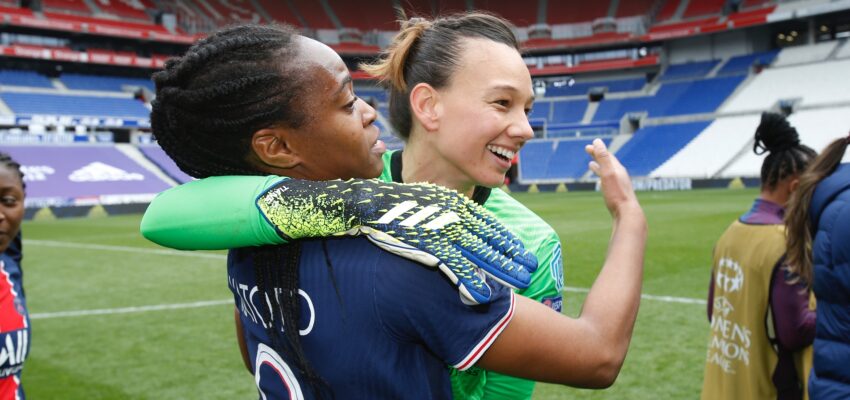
(12, 77)
(653, 145)
(79, 106)
(581, 88)
(743, 64)
(819, 83)
(701, 8)
(157, 156)
(572, 11)
(568, 111)
(534, 159)
(104, 83)
(805, 54)
(569, 160)
(690, 70)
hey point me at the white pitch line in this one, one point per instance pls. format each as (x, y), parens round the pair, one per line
(127, 310)
(666, 299)
(127, 249)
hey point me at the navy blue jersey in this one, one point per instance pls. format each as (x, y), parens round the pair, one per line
(14, 323)
(392, 331)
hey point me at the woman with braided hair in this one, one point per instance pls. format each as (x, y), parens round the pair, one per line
(758, 309)
(818, 222)
(530, 341)
(14, 319)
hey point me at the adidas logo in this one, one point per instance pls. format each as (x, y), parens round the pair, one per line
(36, 173)
(100, 172)
(419, 216)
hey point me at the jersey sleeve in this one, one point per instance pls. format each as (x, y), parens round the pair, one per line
(419, 304)
(215, 213)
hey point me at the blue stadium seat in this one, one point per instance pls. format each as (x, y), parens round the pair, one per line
(90, 106)
(581, 88)
(690, 70)
(653, 145)
(540, 113)
(569, 161)
(534, 159)
(102, 83)
(379, 95)
(13, 77)
(742, 64)
(568, 111)
(675, 98)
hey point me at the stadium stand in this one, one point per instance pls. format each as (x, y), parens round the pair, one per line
(691, 70)
(675, 98)
(378, 15)
(568, 111)
(157, 156)
(81, 106)
(668, 10)
(581, 88)
(520, 13)
(132, 9)
(815, 84)
(631, 8)
(743, 64)
(700, 8)
(572, 11)
(280, 11)
(844, 51)
(312, 13)
(103, 83)
(805, 54)
(557, 160)
(67, 6)
(84, 174)
(10, 77)
(713, 149)
(817, 128)
(540, 114)
(664, 140)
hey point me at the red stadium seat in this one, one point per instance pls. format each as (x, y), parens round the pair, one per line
(632, 8)
(668, 10)
(313, 13)
(572, 11)
(280, 11)
(124, 8)
(703, 7)
(73, 6)
(379, 15)
(518, 12)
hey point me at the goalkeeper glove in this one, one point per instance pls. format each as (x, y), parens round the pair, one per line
(427, 223)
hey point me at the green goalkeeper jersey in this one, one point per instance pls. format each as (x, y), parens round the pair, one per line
(546, 283)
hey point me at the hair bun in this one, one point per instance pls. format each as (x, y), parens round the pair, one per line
(774, 133)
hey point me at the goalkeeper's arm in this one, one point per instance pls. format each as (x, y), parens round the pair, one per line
(211, 214)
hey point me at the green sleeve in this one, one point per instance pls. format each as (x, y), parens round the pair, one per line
(211, 214)
(545, 284)
(503, 387)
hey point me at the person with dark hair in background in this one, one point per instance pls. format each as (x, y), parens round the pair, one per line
(758, 310)
(818, 222)
(372, 324)
(14, 319)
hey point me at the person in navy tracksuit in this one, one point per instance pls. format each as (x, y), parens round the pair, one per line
(14, 320)
(819, 219)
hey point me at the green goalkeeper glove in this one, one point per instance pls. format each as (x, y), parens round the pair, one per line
(427, 223)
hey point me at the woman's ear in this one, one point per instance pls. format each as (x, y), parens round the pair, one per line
(273, 149)
(425, 106)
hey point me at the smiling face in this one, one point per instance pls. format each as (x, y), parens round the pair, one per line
(11, 205)
(339, 138)
(483, 118)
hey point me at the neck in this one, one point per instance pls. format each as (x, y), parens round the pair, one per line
(421, 163)
(774, 196)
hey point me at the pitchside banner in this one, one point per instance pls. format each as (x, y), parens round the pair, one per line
(83, 175)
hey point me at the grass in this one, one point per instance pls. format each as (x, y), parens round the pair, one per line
(191, 353)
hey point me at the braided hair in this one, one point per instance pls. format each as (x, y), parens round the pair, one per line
(209, 103)
(788, 157)
(7, 161)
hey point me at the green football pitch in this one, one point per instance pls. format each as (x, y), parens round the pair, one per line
(116, 317)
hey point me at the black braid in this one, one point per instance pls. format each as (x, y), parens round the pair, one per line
(7, 161)
(280, 286)
(788, 157)
(226, 87)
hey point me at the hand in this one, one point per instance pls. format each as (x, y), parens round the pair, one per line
(614, 179)
(427, 223)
